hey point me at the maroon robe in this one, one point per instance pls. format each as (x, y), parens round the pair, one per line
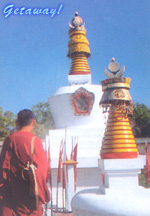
(14, 190)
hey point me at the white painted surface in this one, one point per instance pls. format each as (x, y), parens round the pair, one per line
(63, 114)
(121, 173)
(120, 196)
(92, 202)
(88, 128)
(79, 79)
(89, 141)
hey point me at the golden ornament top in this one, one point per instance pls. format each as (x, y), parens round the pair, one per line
(78, 42)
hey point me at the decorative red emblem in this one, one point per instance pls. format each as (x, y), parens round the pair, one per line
(82, 101)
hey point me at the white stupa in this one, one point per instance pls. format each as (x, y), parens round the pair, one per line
(76, 112)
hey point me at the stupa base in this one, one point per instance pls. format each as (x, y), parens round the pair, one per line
(119, 193)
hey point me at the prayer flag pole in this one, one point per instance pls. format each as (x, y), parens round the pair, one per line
(147, 166)
(59, 171)
(50, 173)
(75, 159)
(64, 180)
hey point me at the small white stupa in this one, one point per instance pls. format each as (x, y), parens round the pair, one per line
(119, 193)
(76, 112)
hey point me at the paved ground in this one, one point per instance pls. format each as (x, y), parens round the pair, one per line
(59, 213)
(63, 214)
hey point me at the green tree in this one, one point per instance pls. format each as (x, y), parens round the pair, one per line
(140, 121)
(7, 123)
(44, 120)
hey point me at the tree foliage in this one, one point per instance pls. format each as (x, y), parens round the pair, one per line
(140, 120)
(7, 123)
(44, 120)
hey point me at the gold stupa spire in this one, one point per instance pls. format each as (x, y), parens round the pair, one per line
(118, 141)
(78, 47)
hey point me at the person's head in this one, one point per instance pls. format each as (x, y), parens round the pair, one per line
(25, 118)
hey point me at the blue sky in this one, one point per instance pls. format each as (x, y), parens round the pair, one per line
(33, 48)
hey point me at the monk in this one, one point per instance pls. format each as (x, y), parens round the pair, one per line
(17, 182)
